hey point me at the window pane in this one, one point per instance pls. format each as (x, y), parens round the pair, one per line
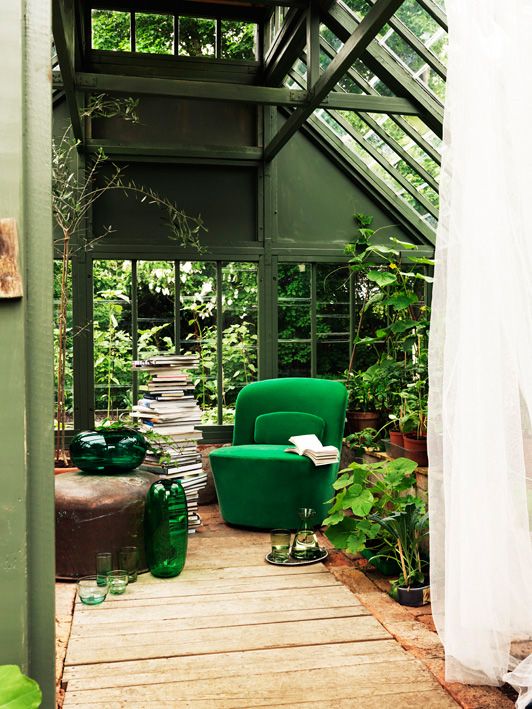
(238, 40)
(198, 330)
(293, 305)
(111, 30)
(239, 339)
(332, 319)
(197, 37)
(112, 338)
(154, 34)
(156, 296)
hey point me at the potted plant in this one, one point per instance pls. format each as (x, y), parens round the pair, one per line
(405, 530)
(361, 412)
(363, 490)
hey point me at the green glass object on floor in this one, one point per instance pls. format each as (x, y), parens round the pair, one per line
(166, 528)
(115, 450)
(305, 545)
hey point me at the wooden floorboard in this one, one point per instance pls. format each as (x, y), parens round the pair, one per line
(234, 632)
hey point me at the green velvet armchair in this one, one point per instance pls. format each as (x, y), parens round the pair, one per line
(258, 484)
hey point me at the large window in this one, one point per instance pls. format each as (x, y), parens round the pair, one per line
(186, 36)
(211, 308)
(313, 319)
(208, 307)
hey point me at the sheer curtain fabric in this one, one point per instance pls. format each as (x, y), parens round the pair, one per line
(480, 406)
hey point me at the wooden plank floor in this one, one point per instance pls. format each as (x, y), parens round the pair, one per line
(233, 631)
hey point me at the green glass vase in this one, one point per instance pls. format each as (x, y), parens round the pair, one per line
(166, 528)
(115, 450)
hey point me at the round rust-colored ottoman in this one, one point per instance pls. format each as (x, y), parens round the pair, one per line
(95, 513)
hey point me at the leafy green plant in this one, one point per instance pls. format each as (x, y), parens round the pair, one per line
(368, 438)
(74, 194)
(404, 531)
(363, 490)
(18, 691)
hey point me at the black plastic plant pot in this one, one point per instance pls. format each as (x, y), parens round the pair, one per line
(413, 596)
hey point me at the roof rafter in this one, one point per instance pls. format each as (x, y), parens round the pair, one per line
(286, 48)
(66, 62)
(353, 48)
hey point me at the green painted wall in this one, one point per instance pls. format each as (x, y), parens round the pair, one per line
(316, 201)
(26, 414)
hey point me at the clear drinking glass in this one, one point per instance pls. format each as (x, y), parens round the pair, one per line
(128, 559)
(91, 592)
(104, 564)
(118, 580)
(280, 544)
(305, 545)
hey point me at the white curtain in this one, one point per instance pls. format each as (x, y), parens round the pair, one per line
(480, 406)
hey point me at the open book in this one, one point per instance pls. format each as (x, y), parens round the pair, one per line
(311, 446)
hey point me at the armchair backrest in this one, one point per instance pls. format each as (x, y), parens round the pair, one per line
(320, 397)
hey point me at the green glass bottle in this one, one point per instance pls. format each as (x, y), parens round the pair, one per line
(166, 528)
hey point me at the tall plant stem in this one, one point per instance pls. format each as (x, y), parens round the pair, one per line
(60, 440)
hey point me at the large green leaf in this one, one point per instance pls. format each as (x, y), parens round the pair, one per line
(402, 325)
(381, 278)
(400, 301)
(422, 259)
(340, 533)
(403, 244)
(18, 691)
(359, 500)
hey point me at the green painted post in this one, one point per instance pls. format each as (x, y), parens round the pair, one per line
(26, 362)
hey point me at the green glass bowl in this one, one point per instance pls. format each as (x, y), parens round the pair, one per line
(116, 450)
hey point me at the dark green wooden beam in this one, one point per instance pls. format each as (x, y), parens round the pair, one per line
(237, 93)
(66, 62)
(352, 50)
(342, 23)
(132, 153)
(286, 48)
(188, 6)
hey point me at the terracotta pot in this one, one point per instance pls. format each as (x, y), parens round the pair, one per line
(396, 438)
(414, 443)
(416, 449)
(359, 420)
(58, 470)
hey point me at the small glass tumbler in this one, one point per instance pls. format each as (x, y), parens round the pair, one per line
(118, 579)
(91, 592)
(128, 559)
(280, 544)
(104, 564)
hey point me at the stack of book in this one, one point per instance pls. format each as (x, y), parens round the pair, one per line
(167, 414)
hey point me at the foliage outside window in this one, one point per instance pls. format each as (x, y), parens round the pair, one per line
(197, 37)
(313, 319)
(155, 33)
(111, 30)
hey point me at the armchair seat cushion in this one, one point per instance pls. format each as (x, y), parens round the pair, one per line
(261, 486)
